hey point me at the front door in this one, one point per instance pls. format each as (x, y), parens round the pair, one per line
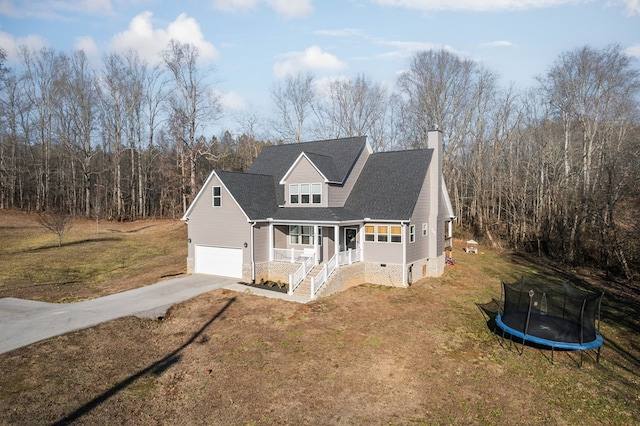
(350, 240)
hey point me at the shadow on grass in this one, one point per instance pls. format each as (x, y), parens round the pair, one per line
(76, 243)
(131, 231)
(156, 368)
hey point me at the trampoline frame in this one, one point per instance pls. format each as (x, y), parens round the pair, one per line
(525, 336)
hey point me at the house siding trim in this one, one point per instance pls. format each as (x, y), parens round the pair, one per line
(185, 217)
(295, 164)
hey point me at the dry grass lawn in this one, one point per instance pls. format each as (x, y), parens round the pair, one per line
(367, 355)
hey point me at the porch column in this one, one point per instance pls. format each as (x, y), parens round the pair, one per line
(271, 242)
(315, 243)
(362, 242)
(336, 240)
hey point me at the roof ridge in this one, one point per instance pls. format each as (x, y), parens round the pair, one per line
(242, 173)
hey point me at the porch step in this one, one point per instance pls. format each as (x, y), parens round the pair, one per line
(304, 289)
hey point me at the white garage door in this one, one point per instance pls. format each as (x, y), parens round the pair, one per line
(223, 261)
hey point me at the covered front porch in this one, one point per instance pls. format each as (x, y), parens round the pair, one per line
(318, 249)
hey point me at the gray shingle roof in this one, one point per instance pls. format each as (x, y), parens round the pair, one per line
(387, 188)
(338, 158)
(389, 184)
(254, 193)
(326, 165)
(321, 214)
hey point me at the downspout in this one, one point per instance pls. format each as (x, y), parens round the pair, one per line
(404, 256)
(253, 260)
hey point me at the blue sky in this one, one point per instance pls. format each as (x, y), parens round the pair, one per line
(253, 43)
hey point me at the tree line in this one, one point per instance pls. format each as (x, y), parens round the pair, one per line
(550, 169)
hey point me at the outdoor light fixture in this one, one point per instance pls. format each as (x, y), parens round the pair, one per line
(189, 240)
(246, 245)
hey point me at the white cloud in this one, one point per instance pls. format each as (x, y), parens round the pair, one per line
(89, 47)
(498, 43)
(632, 7)
(344, 32)
(149, 42)
(288, 9)
(11, 44)
(231, 101)
(403, 49)
(291, 9)
(322, 86)
(476, 5)
(235, 5)
(313, 59)
(54, 10)
(633, 51)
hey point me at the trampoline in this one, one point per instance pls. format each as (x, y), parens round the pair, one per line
(559, 316)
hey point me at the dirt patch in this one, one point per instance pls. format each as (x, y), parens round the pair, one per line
(367, 355)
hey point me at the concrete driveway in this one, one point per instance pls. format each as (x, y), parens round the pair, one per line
(23, 322)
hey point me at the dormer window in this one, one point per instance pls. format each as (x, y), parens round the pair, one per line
(316, 193)
(305, 193)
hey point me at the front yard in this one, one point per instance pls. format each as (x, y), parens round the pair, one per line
(367, 355)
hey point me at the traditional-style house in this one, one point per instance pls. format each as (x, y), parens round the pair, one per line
(320, 215)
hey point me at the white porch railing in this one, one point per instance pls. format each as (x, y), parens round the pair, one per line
(297, 277)
(350, 256)
(341, 259)
(291, 255)
(318, 281)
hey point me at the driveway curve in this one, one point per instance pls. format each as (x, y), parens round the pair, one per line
(23, 322)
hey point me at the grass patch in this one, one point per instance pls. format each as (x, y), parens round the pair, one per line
(88, 263)
(425, 354)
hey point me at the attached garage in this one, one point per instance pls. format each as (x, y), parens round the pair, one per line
(223, 261)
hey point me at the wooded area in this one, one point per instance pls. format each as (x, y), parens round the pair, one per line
(552, 169)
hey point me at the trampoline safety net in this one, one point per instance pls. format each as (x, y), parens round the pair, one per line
(553, 312)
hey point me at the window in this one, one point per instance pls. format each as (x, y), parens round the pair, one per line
(396, 234)
(383, 233)
(412, 233)
(293, 193)
(304, 193)
(369, 233)
(301, 234)
(216, 196)
(294, 235)
(319, 236)
(316, 193)
(425, 229)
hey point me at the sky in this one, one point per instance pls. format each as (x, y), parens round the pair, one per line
(251, 45)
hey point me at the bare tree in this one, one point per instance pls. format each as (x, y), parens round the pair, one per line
(57, 221)
(42, 86)
(293, 101)
(192, 104)
(353, 108)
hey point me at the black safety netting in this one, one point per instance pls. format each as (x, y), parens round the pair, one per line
(556, 312)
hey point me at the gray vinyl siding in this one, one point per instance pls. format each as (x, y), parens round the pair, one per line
(420, 248)
(382, 252)
(425, 246)
(304, 172)
(280, 236)
(224, 226)
(261, 242)
(338, 194)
